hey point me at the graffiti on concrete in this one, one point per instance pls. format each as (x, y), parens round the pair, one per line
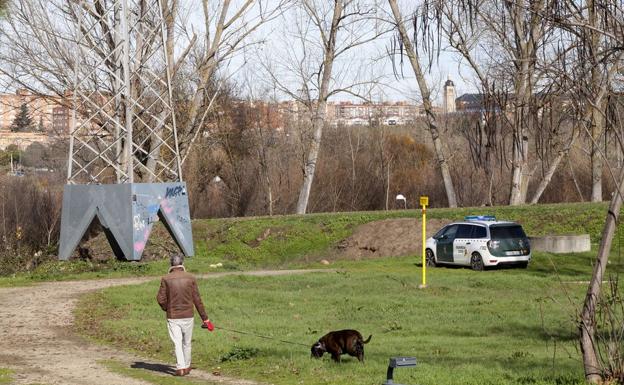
(136, 208)
(139, 224)
(173, 192)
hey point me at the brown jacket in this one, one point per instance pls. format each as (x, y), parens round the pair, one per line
(178, 293)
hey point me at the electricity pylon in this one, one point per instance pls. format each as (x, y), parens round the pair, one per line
(124, 161)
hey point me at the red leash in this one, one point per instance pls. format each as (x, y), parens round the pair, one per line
(256, 335)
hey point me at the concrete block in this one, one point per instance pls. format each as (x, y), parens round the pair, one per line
(561, 244)
(127, 212)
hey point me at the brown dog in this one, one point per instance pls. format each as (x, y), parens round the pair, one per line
(340, 342)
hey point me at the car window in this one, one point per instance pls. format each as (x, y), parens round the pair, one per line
(507, 231)
(450, 231)
(479, 232)
(440, 232)
(464, 231)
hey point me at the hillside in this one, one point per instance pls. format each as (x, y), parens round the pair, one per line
(299, 241)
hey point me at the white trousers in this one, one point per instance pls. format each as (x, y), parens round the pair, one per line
(181, 332)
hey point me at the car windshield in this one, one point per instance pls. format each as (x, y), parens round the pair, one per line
(506, 232)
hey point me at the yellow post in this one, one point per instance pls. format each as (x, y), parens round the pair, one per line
(424, 202)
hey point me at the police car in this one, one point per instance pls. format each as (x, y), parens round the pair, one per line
(479, 242)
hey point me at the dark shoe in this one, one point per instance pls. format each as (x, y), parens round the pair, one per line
(180, 372)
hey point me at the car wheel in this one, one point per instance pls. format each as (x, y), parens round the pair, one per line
(430, 258)
(476, 262)
(523, 265)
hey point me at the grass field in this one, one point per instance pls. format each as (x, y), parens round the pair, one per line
(298, 241)
(5, 376)
(495, 327)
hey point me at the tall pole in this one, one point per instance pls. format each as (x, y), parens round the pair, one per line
(424, 202)
(128, 97)
(73, 126)
(118, 96)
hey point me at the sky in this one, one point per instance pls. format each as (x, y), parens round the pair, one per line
(279, 50)
(276, 48)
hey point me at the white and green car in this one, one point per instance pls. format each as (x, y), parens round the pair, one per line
(479, 242)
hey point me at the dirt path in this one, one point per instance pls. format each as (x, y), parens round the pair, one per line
(37, 343)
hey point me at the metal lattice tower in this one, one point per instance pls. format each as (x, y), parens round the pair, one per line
(123, 129)
(123, 118)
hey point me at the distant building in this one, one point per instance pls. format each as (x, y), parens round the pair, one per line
(61, 118)
(470, 103)
(47, 113)
(359, 114)
(50, 118)
(347, 113)
(449, 102)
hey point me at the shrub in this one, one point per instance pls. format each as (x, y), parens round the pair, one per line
(30, 214)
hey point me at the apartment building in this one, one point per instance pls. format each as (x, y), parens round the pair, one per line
(49, 117)
(46, 112)
(348, 113)
(386, 113)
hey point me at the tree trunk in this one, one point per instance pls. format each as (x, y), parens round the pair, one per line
(526, 172)
(548, 176)
(527, 35)
(426, 96)
(588, 315)
(318, 118)
(354, 152)
(520, 174)
(270, 196)
(518, 171)
(597, 130)
(597, 126)
(310, 166)
(387, 185)
(553, 167)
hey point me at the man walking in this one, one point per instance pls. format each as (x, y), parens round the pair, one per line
(177, 294)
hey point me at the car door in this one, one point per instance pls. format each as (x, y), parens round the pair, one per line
(461, 244)
(444, 244)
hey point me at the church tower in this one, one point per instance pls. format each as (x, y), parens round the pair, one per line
(449, 96)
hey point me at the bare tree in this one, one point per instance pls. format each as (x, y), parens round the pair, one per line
(407, 44)
(587, 326)
(511, 39)
(339, 26)
(262, 118)
(228, 27)
(597, 26)
(584, 112)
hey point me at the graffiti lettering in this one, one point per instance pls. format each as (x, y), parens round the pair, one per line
(139, 224)
(173, 192)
